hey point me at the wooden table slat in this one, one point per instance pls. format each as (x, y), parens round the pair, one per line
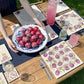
(33, 66)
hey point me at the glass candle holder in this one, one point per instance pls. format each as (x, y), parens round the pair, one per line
(63, 33)
(7, 66)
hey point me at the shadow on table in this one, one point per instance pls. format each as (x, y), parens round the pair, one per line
(27, 54)
(27, 77)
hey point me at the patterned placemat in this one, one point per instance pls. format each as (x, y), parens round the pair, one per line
(4, 54)
(11, 75)
(72, 20)
(25, 19)
(60, 59)
(2, 79)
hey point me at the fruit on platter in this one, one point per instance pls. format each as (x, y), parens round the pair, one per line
(30, 37)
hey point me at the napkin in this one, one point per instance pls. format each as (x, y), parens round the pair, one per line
(4, 54)
(61, 6)
(13, 27)
(2, 79)
(51, 33)
(74, 39)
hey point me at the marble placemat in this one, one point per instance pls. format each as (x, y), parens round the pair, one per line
(60, 59)
(4, 54)
(26, 19)
(72, 20)
(2, 79)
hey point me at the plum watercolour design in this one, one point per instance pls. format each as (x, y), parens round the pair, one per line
(51, 33)
(13, 27)
(4, 54)
(12, 75)
(61, 59)
(2, 79)
(4, 57)
(72, 20)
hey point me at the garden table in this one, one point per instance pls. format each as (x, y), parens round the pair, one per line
(32, 66)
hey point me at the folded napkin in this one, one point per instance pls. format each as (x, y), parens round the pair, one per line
(2, 79)
(4, 54)
(13, 27)
(51, 33)
(61, 6)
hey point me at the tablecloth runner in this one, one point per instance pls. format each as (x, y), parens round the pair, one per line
(19, 58)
